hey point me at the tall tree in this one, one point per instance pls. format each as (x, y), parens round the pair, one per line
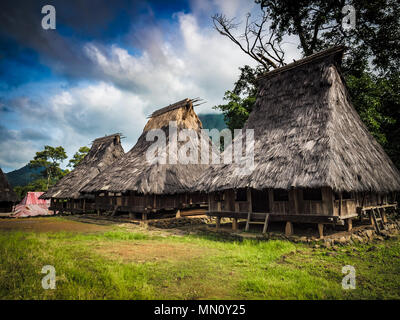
(50, 159)
(78, 156)
(318, 24)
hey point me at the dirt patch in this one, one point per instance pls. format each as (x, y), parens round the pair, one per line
(150, 251)
(48, 225)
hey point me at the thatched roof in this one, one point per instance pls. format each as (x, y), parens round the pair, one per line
(104, 151)
(134, 172)
(307, 134)
(7, 193)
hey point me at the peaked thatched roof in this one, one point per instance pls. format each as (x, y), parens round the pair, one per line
(307, 134)
(104, 152)
(134, 172)
(7, 193)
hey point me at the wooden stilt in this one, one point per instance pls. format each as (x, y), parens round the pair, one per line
(235, 224)
(144, 216)
(289, 228)
(248, 221)
(384, 217)
(371, 218)
(266, 223)
(349, 223)
(218, 223)
(321, 230)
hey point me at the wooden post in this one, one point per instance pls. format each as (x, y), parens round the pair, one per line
(295, 200)
(130, 215)
(178, 214)
(248, 220)
(144, 216)
(340, 204)
(349, 224)
(235, 220)
(266, 223)
(235, 224)
(321, 230)
(250, 208)
(218, 223)
(371, 218)
(289, 228)
(384, 217)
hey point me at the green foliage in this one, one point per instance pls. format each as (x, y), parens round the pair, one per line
(36, 185)
(237, 110)
(78, 156)
(367, 94)
(241, 99)
(318, 25)
(50, 159)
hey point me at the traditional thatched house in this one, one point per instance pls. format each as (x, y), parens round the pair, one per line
(314, 159)
(65, 194)
(136, 185)
(7, 195)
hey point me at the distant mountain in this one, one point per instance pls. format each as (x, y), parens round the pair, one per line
(213, 121)
(23, 176)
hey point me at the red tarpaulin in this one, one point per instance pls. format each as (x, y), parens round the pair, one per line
(31, 206)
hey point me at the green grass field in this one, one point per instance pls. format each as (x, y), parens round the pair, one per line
(116, 263)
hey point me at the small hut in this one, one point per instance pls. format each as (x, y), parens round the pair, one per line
(7, 195)
(65, 196)
(314, 159)
(136, 185)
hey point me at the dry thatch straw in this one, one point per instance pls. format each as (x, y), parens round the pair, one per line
(135, 173)
(307, 134)
(7, 193)
(104, 152)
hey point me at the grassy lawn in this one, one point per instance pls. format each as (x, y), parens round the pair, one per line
(116, 263)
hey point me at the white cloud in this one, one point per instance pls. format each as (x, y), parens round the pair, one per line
(72, 118)
(202, 64)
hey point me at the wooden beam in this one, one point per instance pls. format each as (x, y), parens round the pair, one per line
(289, 228)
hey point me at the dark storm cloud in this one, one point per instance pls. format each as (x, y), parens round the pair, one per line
(77, 22)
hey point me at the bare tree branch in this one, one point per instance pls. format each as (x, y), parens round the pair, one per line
(267, 53)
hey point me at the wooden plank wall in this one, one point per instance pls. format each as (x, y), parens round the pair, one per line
(295, 204)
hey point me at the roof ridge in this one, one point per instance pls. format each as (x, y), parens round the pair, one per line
(303, 61)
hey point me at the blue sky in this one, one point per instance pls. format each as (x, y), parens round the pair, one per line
(106, 67)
